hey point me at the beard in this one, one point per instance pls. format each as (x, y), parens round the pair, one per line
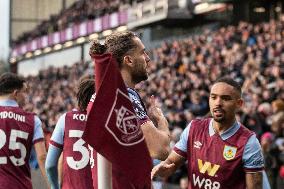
(139, 74)
(219, 117)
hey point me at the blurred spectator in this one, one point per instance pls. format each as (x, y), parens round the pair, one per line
(198, 105)
(257, 121)
(181, 75)
(277, 124)
(270, 152)
(53, 93)
(175, 135)
(278, 128)
(277, 106)
(183, 183)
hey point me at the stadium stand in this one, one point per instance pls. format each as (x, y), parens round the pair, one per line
(77, 13)
(181, 73)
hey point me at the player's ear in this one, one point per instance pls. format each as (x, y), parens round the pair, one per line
(128, 60)
(240, 102)
(14, 94)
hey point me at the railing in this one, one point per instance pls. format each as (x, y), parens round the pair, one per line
(74, 32)
(147, 12)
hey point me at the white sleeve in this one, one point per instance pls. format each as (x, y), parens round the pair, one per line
(58, 133)
(182, 143)
(38, 133)
(252, 156)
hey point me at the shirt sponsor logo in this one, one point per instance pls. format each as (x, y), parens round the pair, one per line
(205, 183)
(229, 152)
(211, 169)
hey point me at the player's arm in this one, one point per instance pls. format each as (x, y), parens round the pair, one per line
(39, 146)
(169, 166)
(175, 159)
(41, 157)
(54, 152)
(254, 180)
(253, 164)
(60, 170)
(51, 166)
(157, 138)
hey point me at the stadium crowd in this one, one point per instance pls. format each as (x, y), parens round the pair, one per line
(181, 73)
(78, 12)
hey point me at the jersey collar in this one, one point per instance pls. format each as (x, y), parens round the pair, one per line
(8, 102)
(228, 133)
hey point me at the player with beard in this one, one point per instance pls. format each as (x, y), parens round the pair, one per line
(131, 56)
(221, 152)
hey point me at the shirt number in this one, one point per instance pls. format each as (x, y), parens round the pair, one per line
(14, 145)
(78, 146)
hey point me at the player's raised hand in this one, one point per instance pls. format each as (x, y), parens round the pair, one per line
(163, 169)
(155, 111)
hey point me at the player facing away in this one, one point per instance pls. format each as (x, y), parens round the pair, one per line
(19, 131)
(66, 137)
(221, 152)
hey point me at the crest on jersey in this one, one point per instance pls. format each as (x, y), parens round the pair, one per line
(126, 121)
(229, 152)
(126, 129)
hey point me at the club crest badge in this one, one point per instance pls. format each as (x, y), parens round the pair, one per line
(126, 129)
(229, 152)
(126, 121)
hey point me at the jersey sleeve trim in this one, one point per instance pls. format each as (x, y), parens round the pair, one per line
(253, 170)
(60, 146)
(180, 152)
(38, 140)
(142, 122)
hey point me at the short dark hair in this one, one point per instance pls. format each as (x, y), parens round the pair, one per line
(230, 82)
(86, 89)
(118, 44)
(10, 82)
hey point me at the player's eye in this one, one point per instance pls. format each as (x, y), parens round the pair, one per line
(226, 98)
(213, 97)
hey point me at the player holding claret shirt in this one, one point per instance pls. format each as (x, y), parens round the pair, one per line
(133, 61)
(221, 152)
(67, 137)
(19, 131)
